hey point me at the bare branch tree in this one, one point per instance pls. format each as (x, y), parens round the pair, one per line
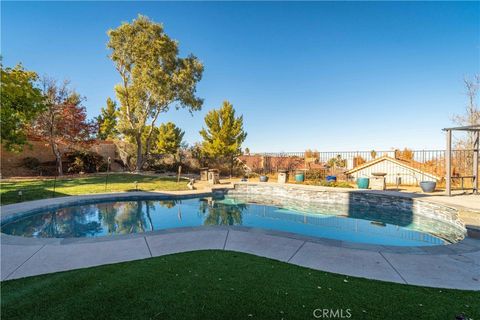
(472, 112)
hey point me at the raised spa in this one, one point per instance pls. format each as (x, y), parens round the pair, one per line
(353, 223)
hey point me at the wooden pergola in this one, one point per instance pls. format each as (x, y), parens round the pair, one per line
(448, 156)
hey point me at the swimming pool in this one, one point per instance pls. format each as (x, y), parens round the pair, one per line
(353, 223)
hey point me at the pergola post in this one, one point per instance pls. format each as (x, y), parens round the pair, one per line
(475, 129)
(448, 164)
(475, 161)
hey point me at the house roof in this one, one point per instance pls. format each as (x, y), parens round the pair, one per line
(390, 159)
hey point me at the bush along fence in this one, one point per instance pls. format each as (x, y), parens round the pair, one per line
(320, 164)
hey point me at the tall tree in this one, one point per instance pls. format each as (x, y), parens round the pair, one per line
(224, 134)
(20, 102)
(148, 131)
(64, 120)
(472, 111)
(153, 78)
(107, 121)
(169, 138)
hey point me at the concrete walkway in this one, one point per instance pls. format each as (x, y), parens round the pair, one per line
(439, 266)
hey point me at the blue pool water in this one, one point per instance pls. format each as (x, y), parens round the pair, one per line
(362, 225)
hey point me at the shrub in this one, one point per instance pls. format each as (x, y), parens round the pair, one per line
(406, 154)
(103, 167)
(83, 161)
(315, 174)
(358, 161)
(335, 184)
(30, 163)
(337, 162)
(311, 155)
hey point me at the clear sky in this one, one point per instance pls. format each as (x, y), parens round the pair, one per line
(321, 75)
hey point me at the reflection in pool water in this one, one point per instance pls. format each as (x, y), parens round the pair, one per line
(339, 222)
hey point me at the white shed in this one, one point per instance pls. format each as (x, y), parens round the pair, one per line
(393, 168)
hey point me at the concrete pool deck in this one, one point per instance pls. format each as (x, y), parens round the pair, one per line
(450, 266)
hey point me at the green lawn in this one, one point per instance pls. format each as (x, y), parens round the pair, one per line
(221, 285)
(33, 189)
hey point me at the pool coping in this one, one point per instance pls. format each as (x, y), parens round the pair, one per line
(467, 246)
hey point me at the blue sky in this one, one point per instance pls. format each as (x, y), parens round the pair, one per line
(321, 75)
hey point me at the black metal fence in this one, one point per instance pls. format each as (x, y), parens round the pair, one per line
(430, 161)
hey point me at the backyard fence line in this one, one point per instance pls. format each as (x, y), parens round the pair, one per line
(423, 154)
(432, 160)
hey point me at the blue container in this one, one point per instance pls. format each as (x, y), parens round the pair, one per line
(362, 183)
(299, 177)
(331, 178)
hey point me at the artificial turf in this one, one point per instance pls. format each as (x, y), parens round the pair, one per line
(222, 285)
(33, 189)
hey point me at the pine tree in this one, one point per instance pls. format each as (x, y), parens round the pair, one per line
(107, 121)
(224, 134)
(169, 138)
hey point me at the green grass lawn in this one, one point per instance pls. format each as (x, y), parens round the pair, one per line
(221, 285)
(33, 189)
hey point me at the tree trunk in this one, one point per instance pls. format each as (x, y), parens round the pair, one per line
(176, 160)
(148, 216)
(139, 153)
(58, 157)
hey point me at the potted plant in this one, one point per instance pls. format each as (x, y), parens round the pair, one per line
(428, 186)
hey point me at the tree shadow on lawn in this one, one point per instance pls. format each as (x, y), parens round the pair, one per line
(28, 194)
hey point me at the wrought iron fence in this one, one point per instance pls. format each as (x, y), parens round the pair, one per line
(338, 162)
